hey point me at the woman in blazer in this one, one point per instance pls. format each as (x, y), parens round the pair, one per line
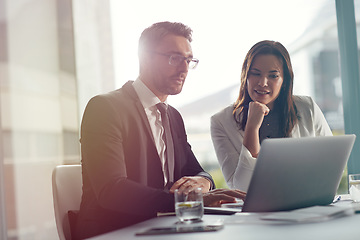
(265, 108)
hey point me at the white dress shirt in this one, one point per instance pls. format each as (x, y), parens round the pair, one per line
(236, 161)
(149, 100)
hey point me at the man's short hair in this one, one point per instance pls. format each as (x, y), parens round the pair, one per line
(152, 35)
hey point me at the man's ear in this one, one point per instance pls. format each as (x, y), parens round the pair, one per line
(145, 61)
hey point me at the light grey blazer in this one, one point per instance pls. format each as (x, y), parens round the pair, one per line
(237, 164)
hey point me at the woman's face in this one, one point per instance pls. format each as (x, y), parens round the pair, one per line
(265, 79)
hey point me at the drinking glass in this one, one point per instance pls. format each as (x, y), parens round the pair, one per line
(354, 187)
(189, 207)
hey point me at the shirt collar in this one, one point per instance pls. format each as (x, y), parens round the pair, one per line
(146, 96)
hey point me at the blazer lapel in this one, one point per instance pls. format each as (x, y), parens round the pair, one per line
(178, 157)
(139, 107)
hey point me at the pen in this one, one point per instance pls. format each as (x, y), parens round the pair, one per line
(336, 199)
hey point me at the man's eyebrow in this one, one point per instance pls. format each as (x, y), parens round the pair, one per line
(178, 53)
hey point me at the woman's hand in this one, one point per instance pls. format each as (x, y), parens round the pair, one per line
(256, 113)
(219, 196)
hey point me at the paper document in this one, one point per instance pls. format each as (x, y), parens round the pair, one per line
(310, 214)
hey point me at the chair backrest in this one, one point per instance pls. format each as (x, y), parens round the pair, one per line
(67, 190)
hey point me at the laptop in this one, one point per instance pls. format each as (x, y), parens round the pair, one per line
(292, 173)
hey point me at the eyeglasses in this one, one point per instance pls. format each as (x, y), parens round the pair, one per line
(177, 59)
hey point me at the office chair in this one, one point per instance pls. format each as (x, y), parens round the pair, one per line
(67, 190)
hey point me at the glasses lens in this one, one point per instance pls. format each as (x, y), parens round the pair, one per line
(193, 63)
(175, 60)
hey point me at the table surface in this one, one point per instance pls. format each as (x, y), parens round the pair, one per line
(242, 226)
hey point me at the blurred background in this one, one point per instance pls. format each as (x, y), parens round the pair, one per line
(56, 54)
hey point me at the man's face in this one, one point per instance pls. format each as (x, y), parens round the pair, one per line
(162, 78)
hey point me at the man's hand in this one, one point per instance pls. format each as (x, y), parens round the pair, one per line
(187, 184)
(217, 197)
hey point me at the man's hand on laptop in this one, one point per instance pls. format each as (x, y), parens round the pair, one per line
(219, 196)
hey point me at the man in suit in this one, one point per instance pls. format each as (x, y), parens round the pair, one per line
(128, 174)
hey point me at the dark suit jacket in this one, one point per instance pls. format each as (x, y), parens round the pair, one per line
(122, 176)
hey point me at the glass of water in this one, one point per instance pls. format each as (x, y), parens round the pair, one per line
(354, 187)
(189, 207)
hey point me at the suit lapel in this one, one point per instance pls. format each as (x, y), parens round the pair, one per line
(139, 107)
(177, 144)
(150, 165)
(172, 121)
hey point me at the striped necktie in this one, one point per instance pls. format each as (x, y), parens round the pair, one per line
(169, 145)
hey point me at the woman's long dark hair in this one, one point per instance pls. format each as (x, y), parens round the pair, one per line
(284, 102)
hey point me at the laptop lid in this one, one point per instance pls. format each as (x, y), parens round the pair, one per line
(293, 173)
